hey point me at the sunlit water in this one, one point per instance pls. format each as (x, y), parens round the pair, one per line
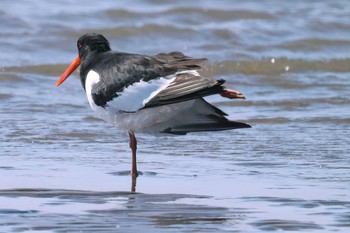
(62, 170)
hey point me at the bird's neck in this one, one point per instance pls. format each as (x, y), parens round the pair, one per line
(85, 66)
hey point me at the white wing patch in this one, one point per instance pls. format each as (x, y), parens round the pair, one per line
(135, 96)
(193, 72)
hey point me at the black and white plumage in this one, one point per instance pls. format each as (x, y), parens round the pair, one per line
(151, 94)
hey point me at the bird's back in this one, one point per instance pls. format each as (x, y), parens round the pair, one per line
(118, 70)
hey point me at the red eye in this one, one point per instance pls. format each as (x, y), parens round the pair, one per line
(80, 45)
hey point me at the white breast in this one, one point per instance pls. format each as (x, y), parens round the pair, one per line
(91, 79)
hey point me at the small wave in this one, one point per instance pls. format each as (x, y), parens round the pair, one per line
(74, 194)
(285, 225)
(214, 14)
(314, 44)
(4, 77)
(151, 28)
(330, 25)
(283, 120)
(331, 120)
(5, 96)
(271, 120)
(220, 15)
(289, 103)
(51, 193)
(270, 66)
(45, 69)
(123, 14)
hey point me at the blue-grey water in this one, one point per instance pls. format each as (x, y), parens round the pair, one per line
(63, 170)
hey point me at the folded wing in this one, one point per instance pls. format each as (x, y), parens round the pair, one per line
(185, 86)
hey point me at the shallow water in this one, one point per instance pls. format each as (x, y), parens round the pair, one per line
(63, 170)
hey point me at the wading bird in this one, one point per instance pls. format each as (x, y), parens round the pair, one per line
(149, 94)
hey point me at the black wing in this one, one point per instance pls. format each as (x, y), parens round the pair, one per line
(127, 69)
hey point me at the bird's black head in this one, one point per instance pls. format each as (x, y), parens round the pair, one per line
(92, 43)
(88, 45)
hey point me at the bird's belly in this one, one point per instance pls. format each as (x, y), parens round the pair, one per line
(150, 120)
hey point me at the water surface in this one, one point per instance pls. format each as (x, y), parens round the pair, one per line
(63, 170)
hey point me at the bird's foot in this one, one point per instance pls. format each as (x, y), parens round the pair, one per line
(232, 94)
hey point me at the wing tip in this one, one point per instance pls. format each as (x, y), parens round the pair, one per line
(184, 129)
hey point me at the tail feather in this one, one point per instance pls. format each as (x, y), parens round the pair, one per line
(179, 61)
(203, 117)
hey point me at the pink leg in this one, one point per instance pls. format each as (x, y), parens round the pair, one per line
(133, 147)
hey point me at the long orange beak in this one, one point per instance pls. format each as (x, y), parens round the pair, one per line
(68, 71)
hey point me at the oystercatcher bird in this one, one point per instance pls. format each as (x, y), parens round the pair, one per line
(149, 94)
